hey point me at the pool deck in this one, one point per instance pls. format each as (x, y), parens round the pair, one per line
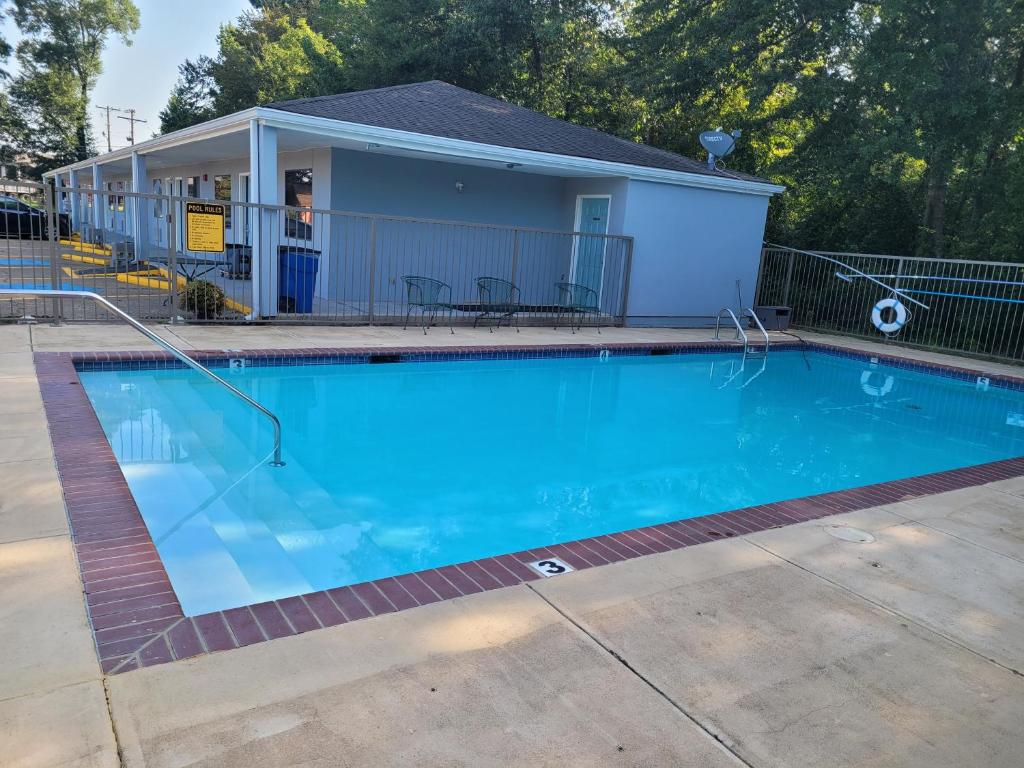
(788, 646)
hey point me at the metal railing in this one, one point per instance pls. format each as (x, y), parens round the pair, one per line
(740, 333)
(749, 312)
(56, 295)
(956, 305)
(291, 264)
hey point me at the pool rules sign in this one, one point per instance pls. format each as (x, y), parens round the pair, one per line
(204, 227)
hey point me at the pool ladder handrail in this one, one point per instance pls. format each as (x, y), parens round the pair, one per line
(760, 326)
(740, 333)
(180, 355)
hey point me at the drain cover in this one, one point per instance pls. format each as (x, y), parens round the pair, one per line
(846, 533)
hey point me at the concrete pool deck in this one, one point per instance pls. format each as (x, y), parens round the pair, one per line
(785, 647)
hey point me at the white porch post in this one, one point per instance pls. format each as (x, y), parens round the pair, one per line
(75, 201)
(138, 209)
(99, 201)
(266, 225)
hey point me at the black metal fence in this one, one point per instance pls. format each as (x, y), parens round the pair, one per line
(969, 307)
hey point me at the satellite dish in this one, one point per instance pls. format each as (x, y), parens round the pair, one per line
(718, 143)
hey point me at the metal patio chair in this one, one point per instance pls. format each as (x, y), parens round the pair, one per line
(427, 294)
(499, 300)
(576, 301)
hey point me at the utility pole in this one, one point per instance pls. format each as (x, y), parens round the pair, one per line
(132, 120)
(108, 111)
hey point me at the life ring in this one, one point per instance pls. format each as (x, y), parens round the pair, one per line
(894, 325)
(875, 391)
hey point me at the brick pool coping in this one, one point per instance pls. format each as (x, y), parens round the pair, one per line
(135, 615)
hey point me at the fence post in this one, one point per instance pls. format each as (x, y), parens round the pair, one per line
(515, 255)
(760, 277)
(53, 223)
(625, 282)
(373, 268)
(789, 278)
(172, 260)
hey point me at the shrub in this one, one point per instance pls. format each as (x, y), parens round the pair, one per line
(203, 298)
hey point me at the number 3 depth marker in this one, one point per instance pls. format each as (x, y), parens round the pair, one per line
(552, 566)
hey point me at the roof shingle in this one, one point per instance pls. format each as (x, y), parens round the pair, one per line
(436, 108)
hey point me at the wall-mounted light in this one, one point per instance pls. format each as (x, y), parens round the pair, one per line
(206, 177)
(459, 186)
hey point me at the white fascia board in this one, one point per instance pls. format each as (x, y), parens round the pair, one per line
(439, 145)
(210, 129)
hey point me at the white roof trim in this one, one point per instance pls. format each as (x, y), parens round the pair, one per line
(219, 126)
(420, 142)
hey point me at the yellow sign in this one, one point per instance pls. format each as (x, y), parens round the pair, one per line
(204, 227)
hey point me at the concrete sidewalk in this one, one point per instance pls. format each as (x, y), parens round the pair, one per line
(887, 637)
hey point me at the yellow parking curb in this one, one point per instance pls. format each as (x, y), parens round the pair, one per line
(84, 259)
(95, 248)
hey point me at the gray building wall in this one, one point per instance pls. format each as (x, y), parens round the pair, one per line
(454, 253)
(691, 245)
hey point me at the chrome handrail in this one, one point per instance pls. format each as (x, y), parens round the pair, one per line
(55, 294)
(760, 326)
(740, 333)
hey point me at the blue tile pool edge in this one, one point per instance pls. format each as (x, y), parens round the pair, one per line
(120, 361)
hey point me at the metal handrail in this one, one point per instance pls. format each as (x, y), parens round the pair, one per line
(55, 294)
(740, 333)
(760, 326)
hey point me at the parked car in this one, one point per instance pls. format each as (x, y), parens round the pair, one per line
(18, 219)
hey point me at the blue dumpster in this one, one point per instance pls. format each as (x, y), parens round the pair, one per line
(297, 278)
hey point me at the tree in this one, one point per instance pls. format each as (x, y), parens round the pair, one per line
(267, 57)
(64, 39)
(191, 99)
(896, 125)
(5, 50)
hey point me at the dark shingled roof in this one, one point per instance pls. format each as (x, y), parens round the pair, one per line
(436, 108)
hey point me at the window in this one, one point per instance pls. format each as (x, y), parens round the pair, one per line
(193, 187)
(114, 202)
(222, 191)
(298, 192)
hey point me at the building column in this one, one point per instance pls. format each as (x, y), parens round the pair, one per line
(75, 201)
(99, 199)
(267, 224)
(138, 211)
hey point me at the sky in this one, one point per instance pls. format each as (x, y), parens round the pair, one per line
(141, 76)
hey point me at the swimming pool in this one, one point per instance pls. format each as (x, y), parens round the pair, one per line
(402, 467)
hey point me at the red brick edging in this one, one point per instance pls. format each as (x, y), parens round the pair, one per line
(136, 617)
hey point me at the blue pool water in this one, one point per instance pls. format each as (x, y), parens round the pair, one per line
(395, 468)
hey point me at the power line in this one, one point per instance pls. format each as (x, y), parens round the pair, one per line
(132, 120)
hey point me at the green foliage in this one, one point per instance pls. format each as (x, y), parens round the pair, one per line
(204, 299)
(59, 58)
(896, 125)
(191, 99)
(268, 57)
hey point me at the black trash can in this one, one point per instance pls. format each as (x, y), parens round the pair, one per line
(297, 278)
